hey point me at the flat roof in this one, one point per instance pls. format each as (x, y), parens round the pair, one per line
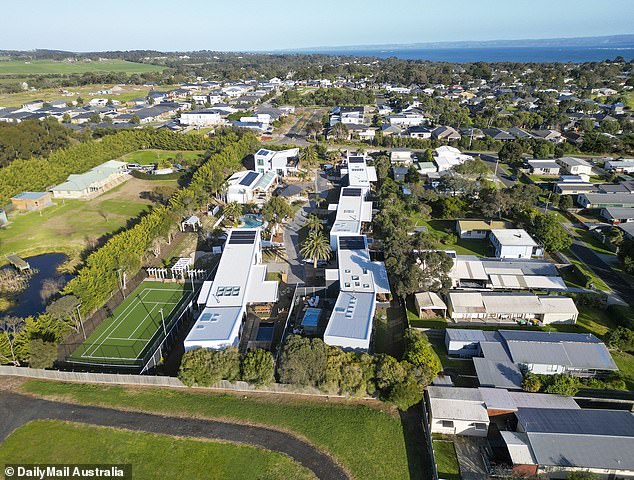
(483, 225)
(513, 237)
(497, 374)
(351, 318)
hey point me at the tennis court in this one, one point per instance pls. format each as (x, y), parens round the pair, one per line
(125, 337)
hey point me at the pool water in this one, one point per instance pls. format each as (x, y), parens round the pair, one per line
(251, 220)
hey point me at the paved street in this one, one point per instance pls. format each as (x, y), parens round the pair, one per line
(16, 410)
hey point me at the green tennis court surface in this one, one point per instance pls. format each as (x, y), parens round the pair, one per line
(125, 337)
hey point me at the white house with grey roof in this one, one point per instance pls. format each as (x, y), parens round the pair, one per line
(240, 280)
(575, 166)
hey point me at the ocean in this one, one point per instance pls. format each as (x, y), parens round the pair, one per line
(491, 54)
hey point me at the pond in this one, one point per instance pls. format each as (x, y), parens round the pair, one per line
(30, 301)
(251, 220)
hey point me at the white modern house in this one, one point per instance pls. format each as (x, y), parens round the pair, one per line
(457, 411)
(201, 118)
(352, 211)
(282, 162)
(248, 186)
(514, 243)
(575, 166)
(360, 281)
(625, 165)
(240, 280)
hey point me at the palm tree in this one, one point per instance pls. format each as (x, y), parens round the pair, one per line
(314, 223)
(316, 247)
(308, 156)
(232, 211)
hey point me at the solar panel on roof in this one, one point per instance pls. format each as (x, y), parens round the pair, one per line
(352, 243)
(351, 192)
(356, 160)
(249, 178)
(242, 238)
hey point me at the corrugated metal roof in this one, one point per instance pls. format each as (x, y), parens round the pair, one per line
(614, 423)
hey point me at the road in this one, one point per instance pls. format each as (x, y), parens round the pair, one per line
(503, 174)
(16, 410)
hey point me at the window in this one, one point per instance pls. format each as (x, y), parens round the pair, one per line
(551, 368)
(447, 423)
(260, 162)
(480, 426)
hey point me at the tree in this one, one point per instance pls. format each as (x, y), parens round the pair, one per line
(626, 255)
(531, 383)
(303, 361)
(452, 207)
(94, 118)
(418, 351)
(258, 367)
(66, 118)
(339, 132)
(232, 212)
(511, 153)
(550, 232)
(64, 310)
(313, 129)
(412, 175)
(12, 327)
(615, 236)
(135, 120)
(563, 384)
(42, 354)
(314, 223)
(276, 209)
(565, 202)
(389, 372)
(406, 393)
(205, 368)
(308, 156)
(620, 338)
(316, 247)
(473, 167)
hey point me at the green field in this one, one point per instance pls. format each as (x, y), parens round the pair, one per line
(52, 67)
(125, 337)
(71, 226)
(151, 456)
(368, 442)
(146, 157)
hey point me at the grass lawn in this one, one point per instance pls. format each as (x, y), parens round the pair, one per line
(592, 241)
(629, 100)
(151, 456)
(70, 226)
(452, 241)
(146, 157)
(446, 460)
(53, 67)
(543, 178)
(367, 441)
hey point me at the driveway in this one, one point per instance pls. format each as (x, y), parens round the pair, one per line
(296, 270)
(16, 410)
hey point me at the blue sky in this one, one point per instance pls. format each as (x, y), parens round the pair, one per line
(241, 25)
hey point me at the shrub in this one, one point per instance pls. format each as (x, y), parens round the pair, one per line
(42, 354)
(258, 367)
(531, 383)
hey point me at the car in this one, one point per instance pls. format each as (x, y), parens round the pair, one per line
(320, 263)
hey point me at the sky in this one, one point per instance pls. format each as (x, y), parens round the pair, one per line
(248, 25)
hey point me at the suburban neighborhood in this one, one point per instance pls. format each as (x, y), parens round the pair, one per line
(316, 265)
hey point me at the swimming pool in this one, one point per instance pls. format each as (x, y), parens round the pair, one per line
(251, 220)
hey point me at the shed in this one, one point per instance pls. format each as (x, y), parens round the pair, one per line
(192, 222)
(32, 200)
(429, 304)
